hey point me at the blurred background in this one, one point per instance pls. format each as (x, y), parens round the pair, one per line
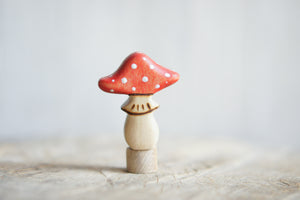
(239, 62)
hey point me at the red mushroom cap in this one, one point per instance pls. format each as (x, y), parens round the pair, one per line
(138, 74)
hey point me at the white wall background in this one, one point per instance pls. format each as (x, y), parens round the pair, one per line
(239, 63)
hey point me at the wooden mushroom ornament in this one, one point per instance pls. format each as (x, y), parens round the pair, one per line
(139, 77)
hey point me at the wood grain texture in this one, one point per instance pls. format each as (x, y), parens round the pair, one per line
(190, 168)
(141, 162)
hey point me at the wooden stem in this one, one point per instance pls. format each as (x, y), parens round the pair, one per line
(141, 134)
(141, 131)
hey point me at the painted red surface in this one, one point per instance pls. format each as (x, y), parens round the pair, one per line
(138, 74)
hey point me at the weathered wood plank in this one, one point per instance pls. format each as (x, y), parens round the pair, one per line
(94, 168)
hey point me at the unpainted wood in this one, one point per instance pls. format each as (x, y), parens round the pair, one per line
(141, 131)
(193, 168)
(141, 134)
(141, 162)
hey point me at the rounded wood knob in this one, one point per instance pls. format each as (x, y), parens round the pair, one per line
(141, 131)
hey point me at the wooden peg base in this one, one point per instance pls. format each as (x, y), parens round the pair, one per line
(141, 161)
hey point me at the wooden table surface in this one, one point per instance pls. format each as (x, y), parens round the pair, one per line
(190, 168)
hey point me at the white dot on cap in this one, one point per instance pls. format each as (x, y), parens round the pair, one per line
(157, 86)
(145, 79)
(111, 90)
(133, 88)
(113, 80)
(133, 66)
(167, 75)
(124, 80)
(151, 66)
(144, 58)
